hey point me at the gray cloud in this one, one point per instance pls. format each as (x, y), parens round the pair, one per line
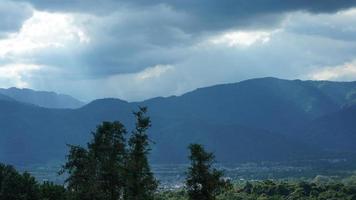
(127, 38)
(135, 34)
(338, 27)
(286, 55)
(205, 14)
(125, 41)
(12, 15)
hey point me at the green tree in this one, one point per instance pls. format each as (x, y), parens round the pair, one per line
(51, 191)
(108, 149)
(203, 182)
(96, 172)
(141, 184)
(16, 186)
(80, 167)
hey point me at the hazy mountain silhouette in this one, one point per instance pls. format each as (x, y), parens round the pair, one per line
(42, 98)
(257, 119)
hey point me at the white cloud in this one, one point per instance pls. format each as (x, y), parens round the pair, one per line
(346, 71)
(18, 75)
(150, 82)
(40, 34)
(152, 72)
(242, 38)
(42, 31)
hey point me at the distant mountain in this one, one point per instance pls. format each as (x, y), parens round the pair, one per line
(42, 98)
(253, 120)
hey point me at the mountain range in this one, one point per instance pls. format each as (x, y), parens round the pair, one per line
(265, 119)
(41, 98)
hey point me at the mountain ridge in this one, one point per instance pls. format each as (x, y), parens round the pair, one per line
(257, 119)
(41, 98)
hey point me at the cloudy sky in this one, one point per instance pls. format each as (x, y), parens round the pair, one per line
(137, 49)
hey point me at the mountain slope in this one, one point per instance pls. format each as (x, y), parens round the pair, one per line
(247, 121)
(229, 142)
(333, 132)
(33, 134)
(5, 98)
(41, 98)
(343, 93)
(266, 103)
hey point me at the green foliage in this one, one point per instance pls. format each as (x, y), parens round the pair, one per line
(96, 172)
(108, 151)
(16, 186)
(81, 170)
(107, 169)
(141, 183)
(276, 190)
(203, 182)
(50, 191)
(172, 195)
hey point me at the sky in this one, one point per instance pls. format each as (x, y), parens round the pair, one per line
(139, 49)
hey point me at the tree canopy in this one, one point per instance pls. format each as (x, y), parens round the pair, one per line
(203, 182)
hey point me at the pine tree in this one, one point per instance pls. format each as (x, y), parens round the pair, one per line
(108, 149)
(141, 184)
(106, 170)
(80, 167)
(97, 172)
(203, 182)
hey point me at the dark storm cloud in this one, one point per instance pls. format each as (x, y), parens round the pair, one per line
(205, 14)
(213, 14)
